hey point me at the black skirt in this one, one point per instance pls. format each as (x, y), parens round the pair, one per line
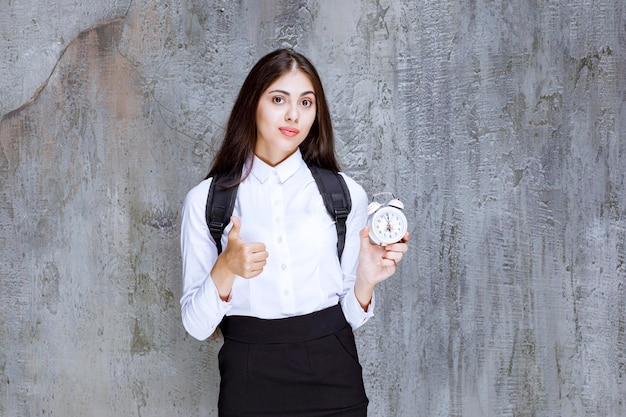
(303, 366)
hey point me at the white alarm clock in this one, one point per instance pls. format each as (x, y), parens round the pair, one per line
(387, 222)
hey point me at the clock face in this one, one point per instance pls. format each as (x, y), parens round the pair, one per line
(388, 225)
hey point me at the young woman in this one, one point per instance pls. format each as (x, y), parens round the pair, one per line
(286, 304)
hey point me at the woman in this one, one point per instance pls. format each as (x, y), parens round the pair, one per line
(286, 304)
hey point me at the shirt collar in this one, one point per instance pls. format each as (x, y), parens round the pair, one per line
(261, 171)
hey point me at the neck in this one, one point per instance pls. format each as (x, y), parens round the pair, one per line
(273, 160)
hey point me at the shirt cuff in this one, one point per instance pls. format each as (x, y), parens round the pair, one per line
(212, 295)
(204, 311)
(353, 311)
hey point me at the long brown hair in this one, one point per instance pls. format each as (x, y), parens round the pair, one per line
(241, 132)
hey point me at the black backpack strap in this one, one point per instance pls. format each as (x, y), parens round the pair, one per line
(336, 198)
(219, 207)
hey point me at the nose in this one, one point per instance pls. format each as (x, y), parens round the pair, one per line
(292, 114)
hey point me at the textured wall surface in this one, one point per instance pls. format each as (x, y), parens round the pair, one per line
(501, 124)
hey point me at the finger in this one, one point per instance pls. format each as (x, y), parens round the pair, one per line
(366, 242)
(254, 269)
(236, 229)
(251, 273)
(387, 262)
(397, 247)
(257, 256)
(255, 247)
(258, 265)
(365, 233)
(393, 256)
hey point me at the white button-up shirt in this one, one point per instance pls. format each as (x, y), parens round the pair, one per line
(281, 207)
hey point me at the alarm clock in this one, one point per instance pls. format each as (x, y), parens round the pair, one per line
(387, 222)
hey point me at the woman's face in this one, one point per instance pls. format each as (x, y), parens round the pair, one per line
(284, 116)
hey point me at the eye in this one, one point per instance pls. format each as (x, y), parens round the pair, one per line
(307, 102)
(278, 100)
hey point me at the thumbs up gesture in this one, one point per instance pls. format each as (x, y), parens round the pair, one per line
(242, 258)
(239, 258)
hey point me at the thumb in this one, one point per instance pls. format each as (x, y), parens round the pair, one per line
(364, 234)
(234, 231)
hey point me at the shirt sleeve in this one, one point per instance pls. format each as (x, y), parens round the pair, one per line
(356, 221)
(202, 309)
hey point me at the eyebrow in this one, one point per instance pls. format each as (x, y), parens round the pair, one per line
(289, 94)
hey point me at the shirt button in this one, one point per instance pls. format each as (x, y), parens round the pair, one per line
(286, 293)
(283, 267)
(279, 240)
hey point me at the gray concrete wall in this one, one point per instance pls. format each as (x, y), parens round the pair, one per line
(501, 124)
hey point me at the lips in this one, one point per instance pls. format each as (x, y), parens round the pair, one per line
(289, 131)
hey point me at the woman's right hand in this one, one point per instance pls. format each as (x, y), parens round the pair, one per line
(246, 260)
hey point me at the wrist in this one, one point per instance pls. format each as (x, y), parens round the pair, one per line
(364, 292)
(223, 279)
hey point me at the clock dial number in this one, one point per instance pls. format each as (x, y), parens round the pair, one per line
(389, 226)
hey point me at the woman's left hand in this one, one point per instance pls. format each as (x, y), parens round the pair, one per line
(376, 264)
